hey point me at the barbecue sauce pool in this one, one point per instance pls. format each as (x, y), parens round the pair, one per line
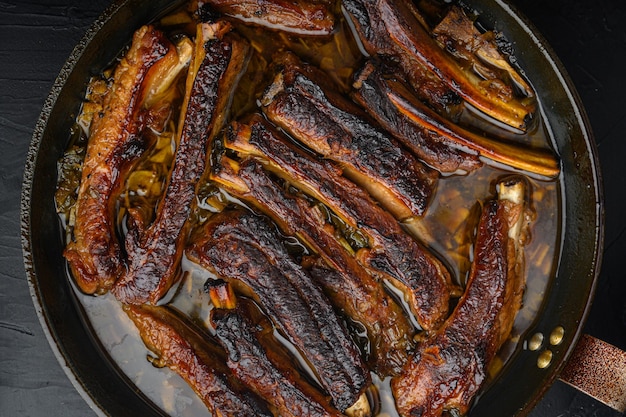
(447, 228)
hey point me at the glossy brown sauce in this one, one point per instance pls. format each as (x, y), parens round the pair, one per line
(447, 228)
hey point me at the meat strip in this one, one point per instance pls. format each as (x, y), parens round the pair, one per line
(400, 22)
(449, 368)
(392, 253)
(264, 370)
(371, 31)
(438, 142)
(300, 17)
(200, 363)
(374, 93)
(154, 253)
(94, 255)
(334, 127)
(349, 287)
(246, 250)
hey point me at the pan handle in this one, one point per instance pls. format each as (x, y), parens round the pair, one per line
(598, 369)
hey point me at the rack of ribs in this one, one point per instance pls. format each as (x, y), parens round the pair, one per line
(392, 254)
(349, 286)
(247, 251)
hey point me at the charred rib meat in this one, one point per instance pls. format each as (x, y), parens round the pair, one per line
(440, 143)
(374, 93)
(397, 26)
(265, 370)
(348, 285)
(94, 255)
(200, 363)
(449, 368)
(299, 16)
(370, 29)
(154, 252)
(315, 219)
(335, 128)
(392, 254)
(246, 250)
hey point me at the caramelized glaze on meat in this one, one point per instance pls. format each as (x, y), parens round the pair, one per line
(154, 252)
(302, 17)
(392, 253)
(264, 370)
(371, 30)
(449, 368)
(306, 105)
(246, 250)
(350, 288)
(398, 23)
(199, 362)
(94, 255)
(374, 92)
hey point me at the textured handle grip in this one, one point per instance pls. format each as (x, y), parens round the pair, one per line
(599, 370)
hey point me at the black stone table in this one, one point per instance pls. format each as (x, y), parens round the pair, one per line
(36, 36)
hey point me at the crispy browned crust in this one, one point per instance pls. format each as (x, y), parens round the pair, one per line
(392, 254)
(367, 21)
(449, 368)
(200, 363)
(375, 93)
(396, 27)
(440, 143)
(154, 253)
(350, 288)
(94, 254)
(246, 250)
(301, 17)
(303, 103)
(264, 370)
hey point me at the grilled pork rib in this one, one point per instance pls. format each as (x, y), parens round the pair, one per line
(374, 92)
(94, 255)
(443, 145)
(300, 102)
(264, 370)
(154, 253)
(246, 250)
(392, 253)
(299, 16)
(458, 35)
(350, 288)
(395, 27)
(370, 29)
(199, 362)
(449, 368)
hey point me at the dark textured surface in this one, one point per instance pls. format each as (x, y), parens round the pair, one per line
(37, 36)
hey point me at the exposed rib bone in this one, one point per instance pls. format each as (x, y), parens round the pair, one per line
(421, 129)
(449, 368)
